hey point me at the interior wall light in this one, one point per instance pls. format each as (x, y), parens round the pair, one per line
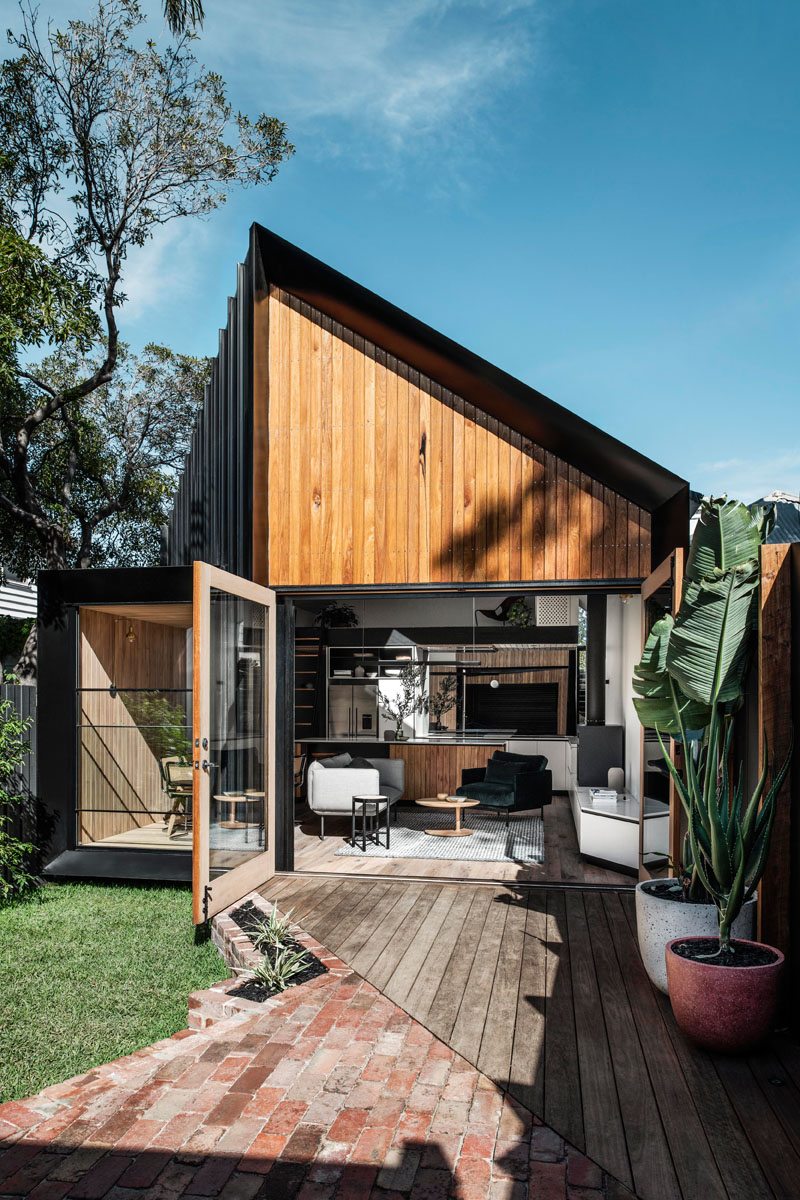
(130, 635)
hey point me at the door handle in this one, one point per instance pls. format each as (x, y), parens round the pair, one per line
(207, 764)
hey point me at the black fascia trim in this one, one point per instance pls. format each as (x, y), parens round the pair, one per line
(610, 586)
(118, 585)
(489, 388)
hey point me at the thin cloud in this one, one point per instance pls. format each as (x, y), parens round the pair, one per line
(378, 80)
(750, 479)
(166, 270)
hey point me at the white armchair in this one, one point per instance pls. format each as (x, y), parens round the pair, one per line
(331, 789)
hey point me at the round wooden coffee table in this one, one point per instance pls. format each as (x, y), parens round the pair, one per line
(234, 798)
(456, 805)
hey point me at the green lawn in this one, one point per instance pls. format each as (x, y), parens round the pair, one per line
(89, 973)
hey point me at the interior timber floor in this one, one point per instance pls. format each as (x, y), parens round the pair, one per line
(543, 990)
(562, 862)
(151, 837)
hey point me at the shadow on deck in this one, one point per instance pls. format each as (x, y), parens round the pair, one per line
(543, 990)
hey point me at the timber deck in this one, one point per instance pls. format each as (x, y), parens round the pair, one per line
(543, 990)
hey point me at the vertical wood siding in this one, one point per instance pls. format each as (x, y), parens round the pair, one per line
(379, 475)
(120, 784)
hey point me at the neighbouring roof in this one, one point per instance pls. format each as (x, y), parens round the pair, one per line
(787, 515)
(17, 598)
(491, 389)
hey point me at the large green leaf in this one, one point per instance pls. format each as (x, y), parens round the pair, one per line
(709, 646)
(727, 535)
(659, 702)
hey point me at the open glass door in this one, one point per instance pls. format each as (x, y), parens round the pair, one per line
(659, 839)
(233, 737)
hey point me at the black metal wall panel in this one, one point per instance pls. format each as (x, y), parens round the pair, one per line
(60, 594)
(211, 517)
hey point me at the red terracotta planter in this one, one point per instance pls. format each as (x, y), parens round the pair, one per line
(729, 1009)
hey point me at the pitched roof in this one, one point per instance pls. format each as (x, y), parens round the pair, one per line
(489, 388)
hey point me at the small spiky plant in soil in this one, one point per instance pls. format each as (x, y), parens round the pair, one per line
(276, 971)
(273, 931)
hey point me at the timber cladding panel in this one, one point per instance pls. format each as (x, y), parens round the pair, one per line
(120, 784)
(376, 474)
(437, 768)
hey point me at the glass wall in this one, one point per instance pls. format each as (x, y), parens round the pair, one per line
(236, 750)
(134, 706)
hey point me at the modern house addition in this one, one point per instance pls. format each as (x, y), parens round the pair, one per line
(364, 495)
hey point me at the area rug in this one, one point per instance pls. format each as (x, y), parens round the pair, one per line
(522, 842)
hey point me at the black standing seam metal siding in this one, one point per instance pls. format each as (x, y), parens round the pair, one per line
(211, 516)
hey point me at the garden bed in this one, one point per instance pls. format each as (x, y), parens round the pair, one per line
(249, 919)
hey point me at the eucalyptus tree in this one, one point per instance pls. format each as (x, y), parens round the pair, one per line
(105, 470)
(106, 137)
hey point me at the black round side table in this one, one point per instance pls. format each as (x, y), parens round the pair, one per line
(369, 809)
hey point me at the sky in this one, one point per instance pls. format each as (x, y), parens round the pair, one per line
(599, 196)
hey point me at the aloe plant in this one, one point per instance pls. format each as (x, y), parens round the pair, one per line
(273, 931)
(276, 971)
(689, 685)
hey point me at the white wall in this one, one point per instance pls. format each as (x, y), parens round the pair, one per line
(614, 680)
(623, 651)
(631, 653)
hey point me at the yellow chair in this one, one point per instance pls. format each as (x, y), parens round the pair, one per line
(177, 780)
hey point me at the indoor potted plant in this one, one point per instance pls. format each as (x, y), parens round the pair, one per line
(336, 616)
(690, 685)
(410, 698)
(442, 700)
(676, 695)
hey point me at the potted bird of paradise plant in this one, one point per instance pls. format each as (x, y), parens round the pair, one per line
(689, 686)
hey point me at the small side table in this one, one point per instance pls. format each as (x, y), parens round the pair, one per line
(369, 809)
(234, 798)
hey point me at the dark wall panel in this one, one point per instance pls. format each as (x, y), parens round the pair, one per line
(211, 516)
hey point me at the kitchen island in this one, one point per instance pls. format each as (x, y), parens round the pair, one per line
(434, 763)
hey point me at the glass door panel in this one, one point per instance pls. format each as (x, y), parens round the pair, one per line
(237, 731)
(234, 690)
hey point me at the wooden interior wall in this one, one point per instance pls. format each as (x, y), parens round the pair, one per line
(379, 475)
(118, 769)
(431, 768)
(556, 660)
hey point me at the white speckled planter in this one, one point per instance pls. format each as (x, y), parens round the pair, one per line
(658, 921)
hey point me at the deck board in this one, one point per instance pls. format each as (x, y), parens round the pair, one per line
(648, 1151)
(604, 1132)
(544, 991)
(562, 1093)
(526, 1071)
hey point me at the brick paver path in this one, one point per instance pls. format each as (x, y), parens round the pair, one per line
(331, 1093)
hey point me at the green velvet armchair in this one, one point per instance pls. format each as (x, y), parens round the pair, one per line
(509, 783)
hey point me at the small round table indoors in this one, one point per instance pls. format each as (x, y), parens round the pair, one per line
(371, 807)
(234, 798)
(456, 804)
